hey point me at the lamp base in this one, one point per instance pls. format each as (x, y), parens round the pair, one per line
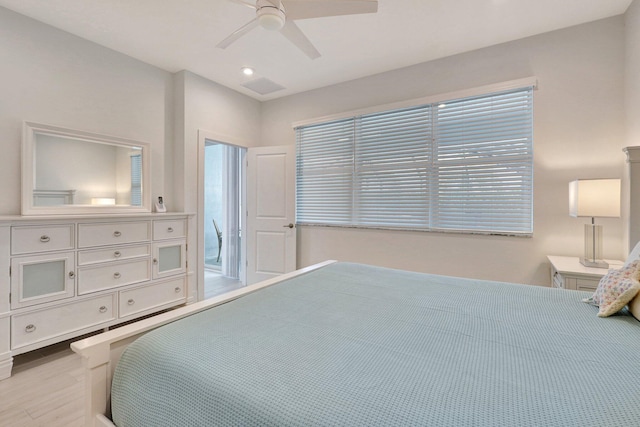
(593, 246)
(596, 263)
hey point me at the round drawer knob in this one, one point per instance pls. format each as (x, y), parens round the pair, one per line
(177, 289)
(170, 230)
(117, 254)
(72, 275)
(116, 275)
(103, 309)
(131, 302)
(30, 328)
(155, 260)
(117, 234)
(45, 238)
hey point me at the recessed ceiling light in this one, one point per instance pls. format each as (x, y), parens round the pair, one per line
(247, 71)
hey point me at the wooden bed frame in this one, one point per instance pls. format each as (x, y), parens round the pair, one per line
(100, 353)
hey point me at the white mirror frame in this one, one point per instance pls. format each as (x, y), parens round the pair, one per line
(31, 130)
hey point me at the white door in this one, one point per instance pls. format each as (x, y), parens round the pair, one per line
(271, 232)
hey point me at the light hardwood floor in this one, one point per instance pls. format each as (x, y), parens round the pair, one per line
(216, 284)
(46, 388)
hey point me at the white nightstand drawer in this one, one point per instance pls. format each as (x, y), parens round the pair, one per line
(144, 298)
(113, 254)
(25, 240)
(116, 233)
(169, 229)
(40, 325)
(112, 275)
(590, 285)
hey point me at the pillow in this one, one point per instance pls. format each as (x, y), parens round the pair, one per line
(633, 256)
(616, 289)
(616, 297)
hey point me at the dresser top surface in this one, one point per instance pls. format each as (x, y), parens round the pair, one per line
(19, 219)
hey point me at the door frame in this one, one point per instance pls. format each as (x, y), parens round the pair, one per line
(203, 137)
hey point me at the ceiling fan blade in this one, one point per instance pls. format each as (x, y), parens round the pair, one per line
(248, 3)
(305, 9)
(297, 37)
(238, 33)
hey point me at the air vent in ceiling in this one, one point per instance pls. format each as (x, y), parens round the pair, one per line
(263, 86)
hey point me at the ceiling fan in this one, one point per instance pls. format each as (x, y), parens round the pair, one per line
(279, 15)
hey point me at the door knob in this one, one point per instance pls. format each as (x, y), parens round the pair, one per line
(288, 226)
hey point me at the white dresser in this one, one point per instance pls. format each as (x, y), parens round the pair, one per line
(64, 277)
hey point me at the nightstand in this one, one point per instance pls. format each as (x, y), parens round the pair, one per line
(568, 273)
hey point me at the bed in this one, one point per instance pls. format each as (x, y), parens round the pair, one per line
(340, 344)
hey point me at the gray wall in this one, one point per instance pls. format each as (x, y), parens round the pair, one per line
(208, 106)
(52, 77)
(579, 133)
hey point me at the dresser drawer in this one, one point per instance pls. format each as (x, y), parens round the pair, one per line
(47, 238)
(113, 254)
(169, 229)
(116, 233)
(133, 301)
(41, 325)
(107, 276)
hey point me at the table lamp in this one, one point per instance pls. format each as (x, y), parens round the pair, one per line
(594, 198)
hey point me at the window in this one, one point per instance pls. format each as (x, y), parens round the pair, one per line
(460, 165)
(136, 180)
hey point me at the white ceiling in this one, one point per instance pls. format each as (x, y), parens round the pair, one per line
(181, 34)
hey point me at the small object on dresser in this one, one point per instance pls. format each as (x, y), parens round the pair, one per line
(159, 205)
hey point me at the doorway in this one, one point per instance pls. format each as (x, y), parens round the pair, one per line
(223, 222)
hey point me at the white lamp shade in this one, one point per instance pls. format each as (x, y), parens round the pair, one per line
(594, 198)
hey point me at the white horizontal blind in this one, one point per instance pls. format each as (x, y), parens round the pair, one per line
(136, 180)
(392, 161)
(483, 168)
(324, 173)
(463, 165)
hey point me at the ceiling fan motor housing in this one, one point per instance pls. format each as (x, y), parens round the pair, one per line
(270, 16)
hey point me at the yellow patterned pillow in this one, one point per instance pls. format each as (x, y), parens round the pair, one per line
(616, 289)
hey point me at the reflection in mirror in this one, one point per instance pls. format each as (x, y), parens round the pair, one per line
(100, 173)
(80, 172)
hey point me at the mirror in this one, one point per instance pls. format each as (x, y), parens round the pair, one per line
(67, 171)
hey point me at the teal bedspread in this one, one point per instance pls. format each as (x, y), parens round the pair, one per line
(355, 345)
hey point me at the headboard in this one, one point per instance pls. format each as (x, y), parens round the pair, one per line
(634, 307)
